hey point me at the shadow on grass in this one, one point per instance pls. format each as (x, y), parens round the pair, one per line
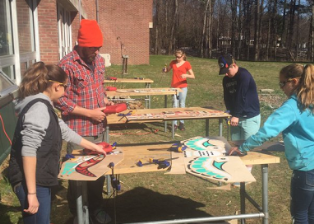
(4, 213)
(143, 205)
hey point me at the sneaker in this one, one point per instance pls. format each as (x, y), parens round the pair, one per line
(101, 217)
(181, 126)
(176, 127)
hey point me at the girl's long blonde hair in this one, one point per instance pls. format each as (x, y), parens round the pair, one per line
(36, 78)
(305, 89)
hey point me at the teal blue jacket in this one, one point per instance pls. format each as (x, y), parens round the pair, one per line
(297, 129)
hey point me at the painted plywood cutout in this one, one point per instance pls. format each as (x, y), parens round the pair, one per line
(215, 144)
(206, 157)
(89, 168)
(220, 168)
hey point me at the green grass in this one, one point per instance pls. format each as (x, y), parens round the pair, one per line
(155, 196)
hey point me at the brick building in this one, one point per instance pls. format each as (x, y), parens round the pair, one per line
(46, 30)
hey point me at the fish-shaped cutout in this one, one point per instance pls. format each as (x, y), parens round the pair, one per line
(83, 167)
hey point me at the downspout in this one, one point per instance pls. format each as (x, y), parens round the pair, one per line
(97, 18)
(80, 11)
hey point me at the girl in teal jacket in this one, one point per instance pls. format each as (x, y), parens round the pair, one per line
(295, 119)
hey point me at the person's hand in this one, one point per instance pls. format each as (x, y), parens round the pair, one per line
(183, 76)
(98, 148)
(234, 151)
(33, 204)
(98, 114)
(234, 121)
(108, 103)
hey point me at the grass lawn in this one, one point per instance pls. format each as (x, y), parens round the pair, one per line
(155, 196)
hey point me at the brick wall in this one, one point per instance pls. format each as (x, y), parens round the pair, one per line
(48, 31)
(125, 23)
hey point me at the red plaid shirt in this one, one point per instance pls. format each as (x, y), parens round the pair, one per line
(85, 89)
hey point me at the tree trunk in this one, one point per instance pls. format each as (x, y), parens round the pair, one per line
(256, 30)
(283, 36)
(172, 41)
(247, 34)
(291, 28)
(240, 30)
(270, 4)
(298, 34)
(204, 29)
(234, 4)
(210, 24)
(312, 35)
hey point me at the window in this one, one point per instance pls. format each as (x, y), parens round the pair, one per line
(17, 22)
(64, 25)
(6, 44)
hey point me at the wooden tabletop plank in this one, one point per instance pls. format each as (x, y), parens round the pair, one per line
(125, 80)
(143, 92)
(132, 154)
(210, 114)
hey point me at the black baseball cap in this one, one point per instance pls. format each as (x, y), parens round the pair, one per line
(224, 62)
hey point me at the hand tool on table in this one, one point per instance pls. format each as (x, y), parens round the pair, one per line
(117, 108)
(228, 125)
(162, 163)
(106, 147)
(112, 78)
(177, 147)
(124, 115)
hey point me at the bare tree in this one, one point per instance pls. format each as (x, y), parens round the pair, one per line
(234, 6)
(206, 14)
(242, 27)
(172, 42)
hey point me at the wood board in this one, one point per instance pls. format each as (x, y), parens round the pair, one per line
(89, 167)
(205, 157)
(149, 90)
(125, 80)
(163, 114)
(175, 113)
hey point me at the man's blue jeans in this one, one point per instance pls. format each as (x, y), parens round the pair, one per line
(302, 197)
(44, 199)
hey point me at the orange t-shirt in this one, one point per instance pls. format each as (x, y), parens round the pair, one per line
(177, 81)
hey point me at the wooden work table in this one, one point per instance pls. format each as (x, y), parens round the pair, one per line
(145, 81)
(148, 92)
(136, 152)
(196, 113)
(159, 150)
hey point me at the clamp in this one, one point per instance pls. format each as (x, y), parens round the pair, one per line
(115, 183)
(178, 147)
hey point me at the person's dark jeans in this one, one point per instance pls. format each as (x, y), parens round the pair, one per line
(94, 188)
(44, 199)
(302, 197)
